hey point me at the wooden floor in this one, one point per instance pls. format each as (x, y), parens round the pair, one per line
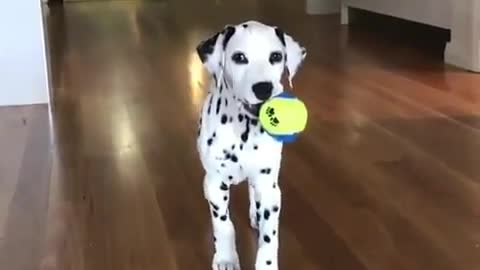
(386, 177)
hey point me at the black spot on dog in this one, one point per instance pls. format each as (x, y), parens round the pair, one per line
(274, 232)
(214, 239)
(225, 198)
(219, 104)
(275, 209)
(266, 214)
(228, 32)
(245, 134)
(245, 25)
(214, 134)
(230, 119)
(266, 171)
(224, 119)
(223, 218)
(224, 186)
(269, 262)
(215, 214)
(210, 104)
(223, 165)
(205, 48)
(226, 102)
(266, 238)
(234, 158)
(230, 177)
(240, 117)
(241, 146)
(225, 83)
(254, 122)
(215, 79)
(209, 142)
(255, 147)
(274, 185)
(257, 204)
(233, 147)
(258, 217)
(214, 206)
(281, 35)
(262, 130)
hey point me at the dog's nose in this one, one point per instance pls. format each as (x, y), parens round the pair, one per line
(262, 90)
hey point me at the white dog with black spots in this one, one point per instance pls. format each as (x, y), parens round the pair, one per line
(247, 62)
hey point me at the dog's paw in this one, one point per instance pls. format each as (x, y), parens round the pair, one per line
(225, 266)
(225, 262)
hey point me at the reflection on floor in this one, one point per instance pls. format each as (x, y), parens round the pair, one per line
(385, 177)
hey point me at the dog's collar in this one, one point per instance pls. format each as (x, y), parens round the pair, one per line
(252, 109)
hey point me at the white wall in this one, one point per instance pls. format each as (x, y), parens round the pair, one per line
(464, 49)
(317, 7)
(23, 65)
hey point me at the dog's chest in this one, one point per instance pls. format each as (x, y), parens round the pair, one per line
(232, 141)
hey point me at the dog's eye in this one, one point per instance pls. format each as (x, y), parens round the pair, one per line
(276, 57)
(239, 58)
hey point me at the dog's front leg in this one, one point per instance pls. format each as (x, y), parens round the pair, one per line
(217, 193)
(253, 208)
(268, 194)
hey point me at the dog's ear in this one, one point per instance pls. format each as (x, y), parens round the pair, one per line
(211, 51)
(295, 53)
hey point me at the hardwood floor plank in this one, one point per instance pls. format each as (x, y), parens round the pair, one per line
(25, 225)
(13, 123)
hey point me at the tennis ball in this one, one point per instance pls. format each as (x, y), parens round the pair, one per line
(283, 117)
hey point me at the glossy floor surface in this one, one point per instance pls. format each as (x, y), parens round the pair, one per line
(386, 177)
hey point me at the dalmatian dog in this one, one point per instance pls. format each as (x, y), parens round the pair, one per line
(247, 62)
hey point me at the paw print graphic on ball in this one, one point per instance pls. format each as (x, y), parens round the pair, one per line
(283, 117)
(274, 121)
(270, 111)
(271, 115)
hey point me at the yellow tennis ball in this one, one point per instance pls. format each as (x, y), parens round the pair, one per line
(284, 117)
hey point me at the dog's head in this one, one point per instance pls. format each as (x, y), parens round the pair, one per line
(251, 58)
